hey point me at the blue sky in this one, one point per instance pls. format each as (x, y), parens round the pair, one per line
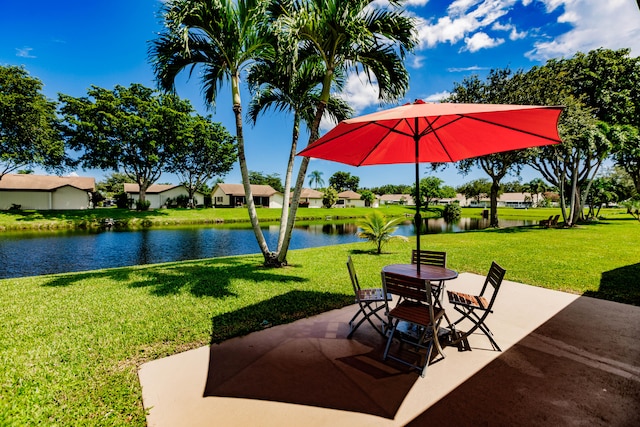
(73, 44)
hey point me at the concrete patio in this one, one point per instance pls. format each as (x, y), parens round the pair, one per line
(566, 360)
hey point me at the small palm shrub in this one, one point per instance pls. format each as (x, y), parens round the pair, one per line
(375, 228)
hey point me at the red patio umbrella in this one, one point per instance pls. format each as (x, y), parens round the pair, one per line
(435, 133)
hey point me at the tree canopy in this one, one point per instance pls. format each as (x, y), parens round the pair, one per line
(28, 124)
(130, 129)
(343, 181)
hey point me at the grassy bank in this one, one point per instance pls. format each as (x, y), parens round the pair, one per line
(77, 219)
(70, 344)
(61, 220)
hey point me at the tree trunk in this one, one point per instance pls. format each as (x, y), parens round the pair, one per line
(251, 207)
(493, 200)
(295, 201)
(284, 218)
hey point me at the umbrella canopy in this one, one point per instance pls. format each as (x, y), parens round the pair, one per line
(436, 133)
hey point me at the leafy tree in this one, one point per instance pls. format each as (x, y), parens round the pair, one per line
(330, 197)
(368, 197)
(28, 124)
(259, 178)
(512, 187)
(315, 177)
(498, 89)
(431, 189)
(602, 192)
(535, 187)
(130, 129)
(600, 91)
(626, 150)
(206, 150)
(343, 181)
(113, 184)
(476, 189)
(375, 228)
(393, 189)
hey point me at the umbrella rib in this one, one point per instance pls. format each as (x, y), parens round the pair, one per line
(512, 128)
(390, 129)
(431, 129)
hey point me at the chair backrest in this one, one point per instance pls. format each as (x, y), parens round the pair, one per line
(353, 275)
(411, 288)
(436, 258)
(494, 278)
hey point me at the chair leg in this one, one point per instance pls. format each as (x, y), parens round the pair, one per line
(392, 331)
(367, 312)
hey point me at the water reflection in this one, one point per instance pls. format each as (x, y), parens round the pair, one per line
(33, 253)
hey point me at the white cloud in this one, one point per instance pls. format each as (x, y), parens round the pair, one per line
(464, 18)
(480, 41)
(359, 93)
(514, 34)
(24, 52)
(465, 69)
(417, 61)
(437, 97)
(611, 24)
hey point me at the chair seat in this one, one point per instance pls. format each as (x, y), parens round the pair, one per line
(467, 299)
(371, 295)
(415, 313)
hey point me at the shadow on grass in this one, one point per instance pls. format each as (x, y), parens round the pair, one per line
(278, 310)
(620, 285)
(201, 278)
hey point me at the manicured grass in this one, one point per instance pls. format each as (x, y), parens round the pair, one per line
(70, 344)
(57, 220)
(52, 220)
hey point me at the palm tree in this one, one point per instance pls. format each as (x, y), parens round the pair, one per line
(297, 93)
(315, 177)
(535, 187)
(343, 36)
(222, 38)
(375, 228)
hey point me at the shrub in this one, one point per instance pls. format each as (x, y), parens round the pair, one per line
(182, 200)
(451, 212)
(143, 205)
(122, 201)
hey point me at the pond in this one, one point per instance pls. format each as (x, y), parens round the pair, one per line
(35, 253)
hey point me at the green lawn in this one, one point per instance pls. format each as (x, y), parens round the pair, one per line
(70, 344)
(56, 220)
(52, 220)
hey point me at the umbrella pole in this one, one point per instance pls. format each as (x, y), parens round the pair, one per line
(418, 217)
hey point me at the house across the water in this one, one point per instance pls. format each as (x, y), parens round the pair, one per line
(45, 192)
(233, 195)
(160, 195)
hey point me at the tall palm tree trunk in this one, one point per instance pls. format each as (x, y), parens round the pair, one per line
(302, 173)
(242, 159)
(284, 218)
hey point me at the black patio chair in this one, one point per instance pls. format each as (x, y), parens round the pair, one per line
(370, 302)
(476, 308)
